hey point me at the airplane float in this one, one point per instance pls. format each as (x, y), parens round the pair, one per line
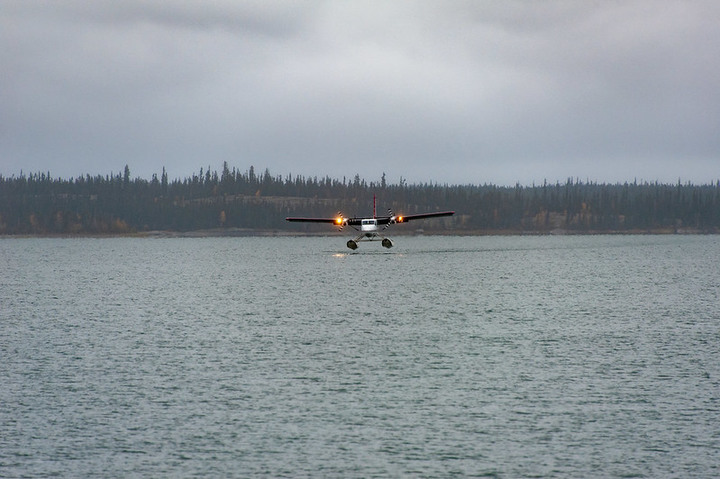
(370, 228)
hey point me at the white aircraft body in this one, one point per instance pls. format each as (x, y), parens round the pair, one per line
(370, 228)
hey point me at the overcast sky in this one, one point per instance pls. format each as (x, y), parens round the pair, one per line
(443, 91)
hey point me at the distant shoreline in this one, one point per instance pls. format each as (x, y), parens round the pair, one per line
(242, 232)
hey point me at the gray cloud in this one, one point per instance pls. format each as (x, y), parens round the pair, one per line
(431, 91)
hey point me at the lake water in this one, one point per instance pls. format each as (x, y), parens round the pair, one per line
(578, 356)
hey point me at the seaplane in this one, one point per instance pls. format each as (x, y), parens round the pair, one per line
(370, 228)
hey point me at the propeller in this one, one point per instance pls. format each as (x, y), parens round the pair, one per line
(340, 221)
(392, 219)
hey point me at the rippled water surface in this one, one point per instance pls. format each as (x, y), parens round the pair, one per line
(445, 356)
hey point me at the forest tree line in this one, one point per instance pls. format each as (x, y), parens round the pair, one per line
(38, 204)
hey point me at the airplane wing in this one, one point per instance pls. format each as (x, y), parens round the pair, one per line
(382, 220)
(317, 220)
(405, 218)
